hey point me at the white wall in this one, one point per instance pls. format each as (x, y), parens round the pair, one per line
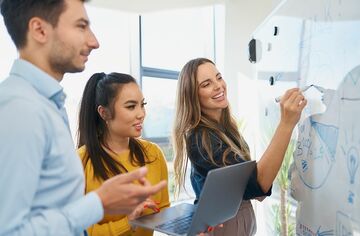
(7, 51)
(242, 18)
(141, 6)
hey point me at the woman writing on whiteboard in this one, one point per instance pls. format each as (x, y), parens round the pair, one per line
(206, 134)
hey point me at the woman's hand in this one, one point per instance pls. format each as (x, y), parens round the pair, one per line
(148, 203)
(292, 103)
(210, 229)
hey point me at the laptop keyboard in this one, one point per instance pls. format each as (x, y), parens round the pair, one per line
(178, 225)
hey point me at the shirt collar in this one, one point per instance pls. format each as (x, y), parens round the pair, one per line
(46, 85)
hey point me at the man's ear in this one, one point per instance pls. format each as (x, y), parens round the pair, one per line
(104, 113)
(39, 29)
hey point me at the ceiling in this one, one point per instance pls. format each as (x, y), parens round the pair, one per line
(140, 6)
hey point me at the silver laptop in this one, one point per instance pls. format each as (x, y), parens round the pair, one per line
(219, 201)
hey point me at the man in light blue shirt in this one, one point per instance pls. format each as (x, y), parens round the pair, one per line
(41, 177)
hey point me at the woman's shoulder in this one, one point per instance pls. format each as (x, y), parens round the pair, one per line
(197, 133)
(200, 130)
(83, 154)
(148, 145)
(82, 151)
(151, 149)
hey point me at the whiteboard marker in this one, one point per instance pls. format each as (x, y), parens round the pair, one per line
(277, 99)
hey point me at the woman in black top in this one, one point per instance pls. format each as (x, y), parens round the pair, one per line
(207, 135)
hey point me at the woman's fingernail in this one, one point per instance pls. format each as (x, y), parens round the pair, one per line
(145, 206)
(157, 209)
(210, 228)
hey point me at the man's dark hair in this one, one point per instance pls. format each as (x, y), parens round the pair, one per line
(17, 14)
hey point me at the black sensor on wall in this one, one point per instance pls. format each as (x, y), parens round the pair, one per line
(252, 51)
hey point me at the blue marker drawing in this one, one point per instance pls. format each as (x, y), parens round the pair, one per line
(345, 223)
(354, 79)
(329, 135)
(320, 153)
(324, 233)
(351, 153)
(304, 165)
(351, 197)
(314, 156)
(352, 158)
(302, 128)
(299, 148)
(307, 143)
(350, 90)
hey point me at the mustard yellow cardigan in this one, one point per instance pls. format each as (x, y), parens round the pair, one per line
(157, 171)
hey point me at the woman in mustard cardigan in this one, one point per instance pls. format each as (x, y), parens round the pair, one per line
(110, 123)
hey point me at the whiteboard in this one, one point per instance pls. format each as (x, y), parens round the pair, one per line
(306, 42)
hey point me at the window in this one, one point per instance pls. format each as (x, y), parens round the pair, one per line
(160, 98)
(168, 40)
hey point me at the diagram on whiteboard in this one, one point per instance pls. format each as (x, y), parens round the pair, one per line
(315, 152)
(325, 178)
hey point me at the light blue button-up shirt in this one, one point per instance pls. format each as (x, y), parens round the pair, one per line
(41, 176)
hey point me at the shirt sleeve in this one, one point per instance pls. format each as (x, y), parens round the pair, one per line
(253, 188)
(202, 163)
(24, 144)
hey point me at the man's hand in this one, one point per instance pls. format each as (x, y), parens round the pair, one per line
(120, 195)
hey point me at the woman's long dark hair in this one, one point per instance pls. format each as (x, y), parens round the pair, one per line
(102, 90)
